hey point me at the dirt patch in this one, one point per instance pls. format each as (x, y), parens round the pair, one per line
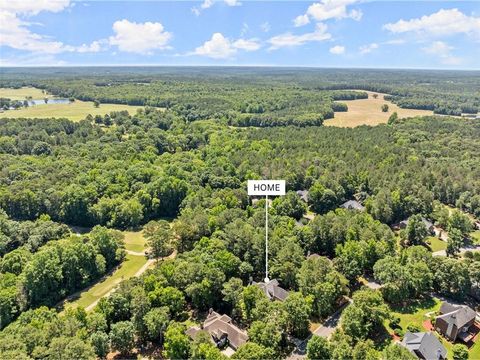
(427, 325)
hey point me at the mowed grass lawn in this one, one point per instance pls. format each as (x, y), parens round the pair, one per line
(475, 236)
(134, 241)
(436, 244)
(369, 112)
(126, 270)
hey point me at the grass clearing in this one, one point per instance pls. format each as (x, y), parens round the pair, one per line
(127, 269)
(134, 241)
(23, 93)
(475, 237)
(368, 112)
(75, 111)
(436, 244)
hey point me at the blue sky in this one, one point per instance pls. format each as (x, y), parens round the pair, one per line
(324, 33)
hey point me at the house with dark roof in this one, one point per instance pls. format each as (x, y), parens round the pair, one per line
(272, 290)
(353, 205)
(223, 332)
(455, 321)
(424, 345)
(428, 224)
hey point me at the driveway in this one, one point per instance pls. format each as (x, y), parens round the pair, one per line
(329, 326)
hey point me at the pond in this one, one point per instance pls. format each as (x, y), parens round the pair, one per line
(50, 101)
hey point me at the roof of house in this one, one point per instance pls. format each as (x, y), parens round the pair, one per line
(353, 204)
(218, 325)
(272, 290)
(303, 195)
(428, 224)
(425, 344)
(459, 315)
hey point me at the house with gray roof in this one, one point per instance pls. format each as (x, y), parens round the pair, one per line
(272, 290)
(424, 345)
(303, 195)
(223, 332)
(428, 224)
(353, 205)
(455, 321)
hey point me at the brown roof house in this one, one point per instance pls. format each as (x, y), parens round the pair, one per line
(272, 290)
(424, 346)
(455, 321)
(222, 331)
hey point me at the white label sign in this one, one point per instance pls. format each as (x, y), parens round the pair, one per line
(266, 187)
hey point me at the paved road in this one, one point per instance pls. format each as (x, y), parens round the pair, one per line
(462, 250)
(329, 326)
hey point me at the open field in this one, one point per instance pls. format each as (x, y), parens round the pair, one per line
(130, 266)
(74, 111)
(368, 112)
(23, 93)
(134, 241)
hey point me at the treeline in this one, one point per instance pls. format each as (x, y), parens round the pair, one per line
(29, 234)
(56, 270)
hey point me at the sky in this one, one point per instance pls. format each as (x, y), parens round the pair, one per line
(323, 33)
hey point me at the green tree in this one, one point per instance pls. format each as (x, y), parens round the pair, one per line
(177, 344)
(159, 238)
(289, 205)
(366, 312)
(70, 348)
(321, 199)
(298, 309)
(455, 242)
(156, 321)
(100, 343)
(393, 118)
(415, 232)
(385, 108)
(232, 294)
(397, 352)
(318, 348)
(460, 352)
(122, 336)
(266, 333)
(252, 351)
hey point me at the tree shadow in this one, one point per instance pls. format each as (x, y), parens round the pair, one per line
(413, 305)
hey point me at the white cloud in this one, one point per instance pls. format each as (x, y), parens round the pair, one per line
(443, 22)
(209, 3)
(33, 7)
(247, 44)
(93, 47)
(220, 47)
(337, 50)
(328, 9)
(15, 32)
(245, 29)
(265, 27)
(443, 51)
(365, 49)
(233, 2)
(301, 20)
(290, 40)
(140, 38)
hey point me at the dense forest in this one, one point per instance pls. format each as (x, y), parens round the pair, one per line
(121, 171)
